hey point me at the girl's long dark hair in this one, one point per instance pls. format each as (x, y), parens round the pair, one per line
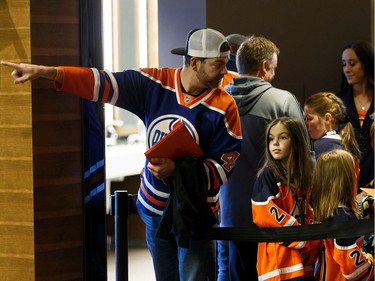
(298, 174)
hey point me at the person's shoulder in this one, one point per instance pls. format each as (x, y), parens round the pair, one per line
(165, 76)
(153, 71)
(341, 214)
(267, 176)
(280, 92)
(265, 185)
(281, 98)
(326, 144)
(333, 142)
(222, 99)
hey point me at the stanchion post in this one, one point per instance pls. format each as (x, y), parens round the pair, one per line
(121, 235)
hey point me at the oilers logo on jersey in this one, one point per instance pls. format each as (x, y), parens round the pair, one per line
(163, 125)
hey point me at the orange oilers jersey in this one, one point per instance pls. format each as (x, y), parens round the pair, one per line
(344, 259)
(275, 205)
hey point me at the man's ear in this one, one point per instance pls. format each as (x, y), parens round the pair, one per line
(194, 62)
(262, 69)
(264, 65)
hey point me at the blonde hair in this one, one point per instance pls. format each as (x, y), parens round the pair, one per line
(299, 165)
(253, 52)
(334, 182)
(326, 102)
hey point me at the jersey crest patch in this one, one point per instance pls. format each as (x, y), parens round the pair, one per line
(163, 125)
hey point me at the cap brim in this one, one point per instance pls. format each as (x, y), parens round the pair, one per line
(179, 51)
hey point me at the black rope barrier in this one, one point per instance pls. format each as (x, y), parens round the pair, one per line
(124, 205)
(330, 230)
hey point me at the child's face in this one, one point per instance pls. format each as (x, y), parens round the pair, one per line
(279, 142)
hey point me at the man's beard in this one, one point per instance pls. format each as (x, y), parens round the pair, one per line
(209, 82)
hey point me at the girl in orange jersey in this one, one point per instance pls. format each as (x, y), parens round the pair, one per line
(334, 200)
(281, 198)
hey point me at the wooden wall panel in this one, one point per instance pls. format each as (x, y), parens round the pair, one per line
(16, 165)
(309, 34)
(57, 146)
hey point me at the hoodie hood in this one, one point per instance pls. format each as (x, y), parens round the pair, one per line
(246, 91)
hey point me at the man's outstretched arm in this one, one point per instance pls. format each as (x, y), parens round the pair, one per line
(23, 72)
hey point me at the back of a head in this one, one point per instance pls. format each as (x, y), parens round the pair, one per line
(334, 183)
(253, 52)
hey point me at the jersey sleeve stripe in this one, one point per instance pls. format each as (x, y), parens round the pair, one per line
(220, 170)
(153, 200)
(280, 271)
(207, 169)
(105, 89)
(147, 206)
(300, 245)
(290, 222)
(213, 198)
(114, 88)
(357, 272)
(153, 190)
(217, 172)
(96, 90)
(263, 202)
(239, 137)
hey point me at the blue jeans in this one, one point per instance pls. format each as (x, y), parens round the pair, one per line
(173, 263)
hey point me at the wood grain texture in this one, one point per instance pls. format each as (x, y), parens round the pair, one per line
(17, 257)
(41, 235)
(57, 146)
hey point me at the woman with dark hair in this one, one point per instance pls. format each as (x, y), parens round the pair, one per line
(357, 93)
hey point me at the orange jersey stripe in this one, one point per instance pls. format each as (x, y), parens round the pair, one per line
(150, 198)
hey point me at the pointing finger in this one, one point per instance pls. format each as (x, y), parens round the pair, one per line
(10, 64)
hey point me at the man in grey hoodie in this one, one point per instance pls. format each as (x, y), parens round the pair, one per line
(258, 103)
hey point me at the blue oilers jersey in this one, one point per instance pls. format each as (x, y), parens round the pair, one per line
(156, 97)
